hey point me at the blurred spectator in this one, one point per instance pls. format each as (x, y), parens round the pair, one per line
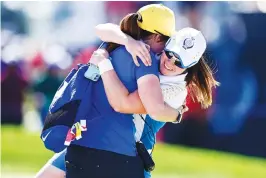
(227, 34)
(118, 9)
(55, 33)
(13, 20)
(76, 28)
(13, 87)
(3, 69)
(83, 56)
(45, 89)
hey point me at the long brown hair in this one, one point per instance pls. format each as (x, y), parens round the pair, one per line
(200, 82)
(129, 26)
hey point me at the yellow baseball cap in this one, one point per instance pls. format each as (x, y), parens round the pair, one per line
(157, 18)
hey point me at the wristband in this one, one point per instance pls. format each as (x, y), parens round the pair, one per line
(105, 65)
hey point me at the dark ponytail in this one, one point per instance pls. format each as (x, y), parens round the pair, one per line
(129, 26)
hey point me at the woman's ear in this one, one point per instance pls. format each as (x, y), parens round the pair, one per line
(157, 38)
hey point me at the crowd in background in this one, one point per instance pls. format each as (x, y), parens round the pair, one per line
(42, 41)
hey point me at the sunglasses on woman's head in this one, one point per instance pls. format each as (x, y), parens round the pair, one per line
(172, 56)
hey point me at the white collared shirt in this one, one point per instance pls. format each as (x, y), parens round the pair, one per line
(174, 89)
(174, 93)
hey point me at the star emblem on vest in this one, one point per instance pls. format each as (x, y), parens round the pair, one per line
(188, 43)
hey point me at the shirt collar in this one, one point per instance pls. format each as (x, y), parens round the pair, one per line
(172, 80)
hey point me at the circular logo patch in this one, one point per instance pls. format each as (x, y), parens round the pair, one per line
(188, 43)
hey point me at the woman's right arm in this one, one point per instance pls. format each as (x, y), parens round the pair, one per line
(111, 33)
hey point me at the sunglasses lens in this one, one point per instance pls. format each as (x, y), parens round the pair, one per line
(168, 54)
(177, 61)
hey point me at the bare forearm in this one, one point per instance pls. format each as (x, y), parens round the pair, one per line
(160, 110)
(165, 113)
(111, 33)
(119, 97)
(122, 101)
(152, 99)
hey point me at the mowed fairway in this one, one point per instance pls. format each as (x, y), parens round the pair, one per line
(23, 154)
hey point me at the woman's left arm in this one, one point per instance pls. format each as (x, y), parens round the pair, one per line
(117, 94)
(121, 100)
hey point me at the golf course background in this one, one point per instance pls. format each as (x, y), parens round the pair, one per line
(24, 153)
(41, 41)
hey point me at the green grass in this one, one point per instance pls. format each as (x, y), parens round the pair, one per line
(183, 160)
(24, 152)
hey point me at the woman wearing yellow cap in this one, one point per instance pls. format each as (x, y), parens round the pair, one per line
(108, 147)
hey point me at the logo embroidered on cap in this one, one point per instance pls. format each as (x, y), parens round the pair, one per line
(188, 43)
